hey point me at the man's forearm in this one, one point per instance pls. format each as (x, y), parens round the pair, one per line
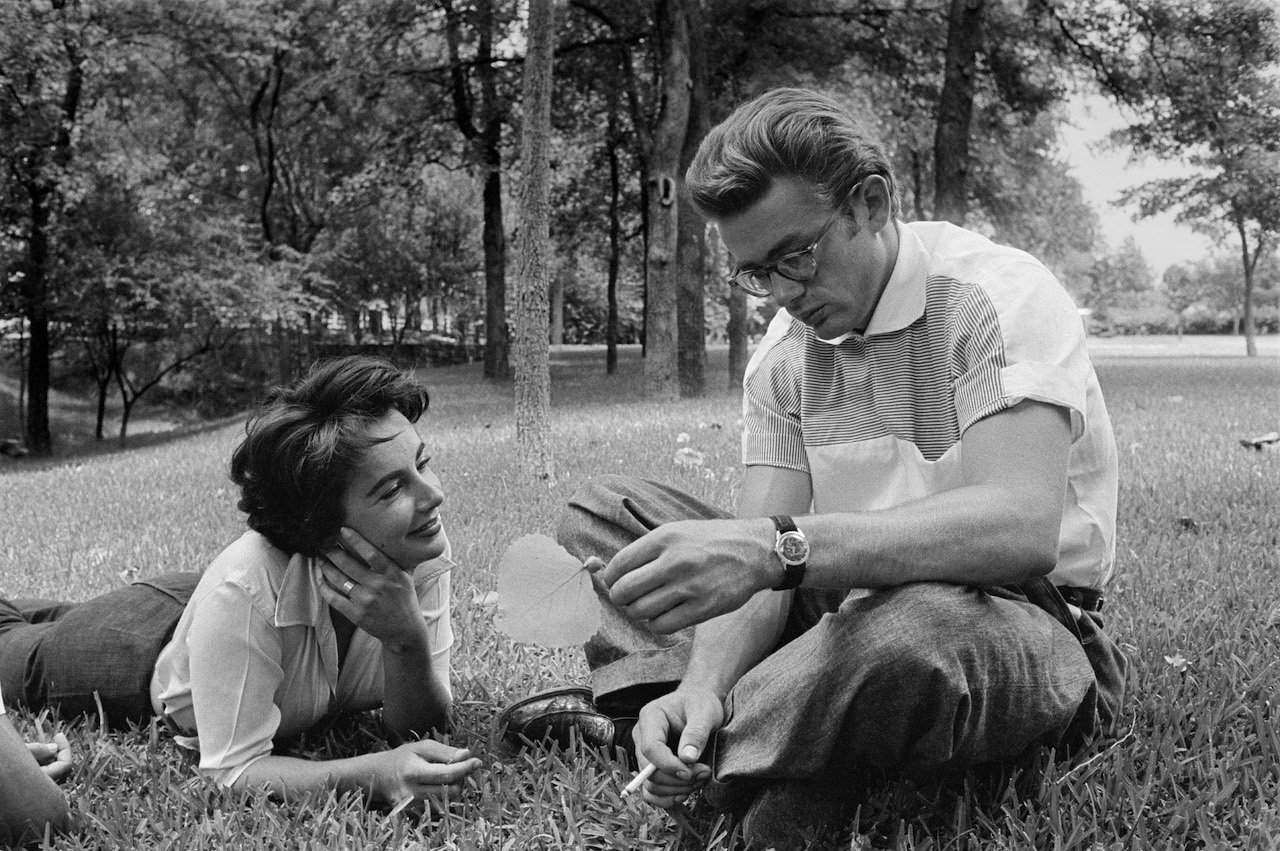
(962, 536)
(726, 647)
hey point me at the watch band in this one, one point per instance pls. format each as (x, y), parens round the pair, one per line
(792, 550)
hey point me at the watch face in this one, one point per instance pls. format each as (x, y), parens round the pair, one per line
(793, 548)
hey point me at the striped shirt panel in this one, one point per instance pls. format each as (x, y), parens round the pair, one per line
(923, 384)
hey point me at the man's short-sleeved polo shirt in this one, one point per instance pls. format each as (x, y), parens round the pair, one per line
(254, 657)
(965, 328)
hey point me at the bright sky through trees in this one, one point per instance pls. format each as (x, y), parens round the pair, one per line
(1105, 172)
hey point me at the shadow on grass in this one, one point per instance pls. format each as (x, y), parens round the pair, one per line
(62, 455)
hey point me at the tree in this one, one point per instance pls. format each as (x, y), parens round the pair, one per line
(661, 365)
(1118, 274)
(42, 98)
(533, 376)
(480, 120)
(955, 110)
(692, 248)
(1206, 88)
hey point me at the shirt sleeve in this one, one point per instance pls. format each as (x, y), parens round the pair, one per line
(771, 433)
(235, 656)
(1018, 337)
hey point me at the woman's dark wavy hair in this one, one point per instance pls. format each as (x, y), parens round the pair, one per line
(300, 448)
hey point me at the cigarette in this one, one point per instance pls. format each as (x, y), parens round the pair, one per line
(645, 774)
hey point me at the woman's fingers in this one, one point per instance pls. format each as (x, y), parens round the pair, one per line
(43, 752)
(54, 758)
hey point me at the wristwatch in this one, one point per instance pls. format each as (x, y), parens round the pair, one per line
(792, 548)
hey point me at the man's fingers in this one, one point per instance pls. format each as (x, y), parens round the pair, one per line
(655, 603)
(630, 558)
(650, 737)
(693, 741)
(686, 614)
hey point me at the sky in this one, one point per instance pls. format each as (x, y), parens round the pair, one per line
(1105, 173)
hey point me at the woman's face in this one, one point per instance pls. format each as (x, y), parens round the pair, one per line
(393, 498)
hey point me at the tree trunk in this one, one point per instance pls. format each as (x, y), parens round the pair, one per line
(564, 278)
(483, 132)
(39, 437)
(736, 330)
(955, 112)
(615, 242)
(1250, 340)
(661, 367)
(496, 350)
(532, 367)
(691, 304)
(41, 190)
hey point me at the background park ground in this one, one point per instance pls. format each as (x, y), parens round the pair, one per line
(1194, 763)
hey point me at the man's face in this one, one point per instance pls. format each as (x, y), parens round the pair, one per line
(852, 265)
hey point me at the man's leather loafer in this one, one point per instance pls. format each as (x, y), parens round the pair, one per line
(559, 715)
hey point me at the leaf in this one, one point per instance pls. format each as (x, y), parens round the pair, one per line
(545, 595)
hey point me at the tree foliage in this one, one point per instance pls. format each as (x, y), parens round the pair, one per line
(1204, 81)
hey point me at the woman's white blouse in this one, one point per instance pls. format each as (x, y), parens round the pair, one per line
(254, 657)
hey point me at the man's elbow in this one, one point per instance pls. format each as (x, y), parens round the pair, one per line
(1034, 543)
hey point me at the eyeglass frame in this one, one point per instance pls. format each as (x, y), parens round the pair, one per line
(771, 269)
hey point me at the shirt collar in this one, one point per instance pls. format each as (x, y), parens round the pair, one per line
(299, 601)
(902, 301)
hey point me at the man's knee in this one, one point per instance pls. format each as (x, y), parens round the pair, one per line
(916, 623)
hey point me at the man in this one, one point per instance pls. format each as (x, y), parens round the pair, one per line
(926, 520)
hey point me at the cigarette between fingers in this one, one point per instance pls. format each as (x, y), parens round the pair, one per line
(645, 774)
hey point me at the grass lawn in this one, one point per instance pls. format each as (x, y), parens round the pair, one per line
(1195, 762)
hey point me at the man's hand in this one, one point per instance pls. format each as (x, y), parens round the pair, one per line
(371, 590)
(690, 571)
(695, 714)
(54, 758)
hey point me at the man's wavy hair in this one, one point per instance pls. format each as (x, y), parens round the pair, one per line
(784, 133)
(301, 447)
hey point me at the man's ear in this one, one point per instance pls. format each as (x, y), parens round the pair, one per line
(879, 200)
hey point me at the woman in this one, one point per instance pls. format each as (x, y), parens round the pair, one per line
(30, 800)
(335, 600)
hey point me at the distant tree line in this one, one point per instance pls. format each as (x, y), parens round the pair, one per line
(196, 195)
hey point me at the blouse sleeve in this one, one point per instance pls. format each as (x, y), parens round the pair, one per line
(235, 654)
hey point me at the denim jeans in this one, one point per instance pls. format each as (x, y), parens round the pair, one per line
(60, 655)
(916, 680)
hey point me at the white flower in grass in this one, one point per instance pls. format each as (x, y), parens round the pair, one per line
(1177, 661)
(689, 458)
(682, 438)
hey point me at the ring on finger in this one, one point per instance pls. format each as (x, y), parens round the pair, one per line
(347, 588)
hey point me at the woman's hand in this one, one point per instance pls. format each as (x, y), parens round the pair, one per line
(54, 758)
(371, 590)
(424, 770)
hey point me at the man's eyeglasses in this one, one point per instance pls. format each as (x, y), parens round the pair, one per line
(800, 266)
